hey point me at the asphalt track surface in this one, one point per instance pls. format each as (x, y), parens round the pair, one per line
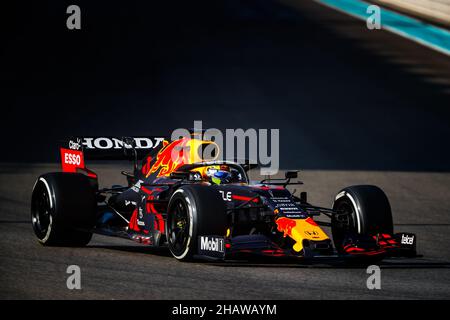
(353, 106)
(114, 268)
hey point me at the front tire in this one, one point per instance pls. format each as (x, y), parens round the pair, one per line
(193, 210)
(362, 209)
(63, 207)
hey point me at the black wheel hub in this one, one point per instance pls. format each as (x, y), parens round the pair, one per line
(178, 227)
(343, 222)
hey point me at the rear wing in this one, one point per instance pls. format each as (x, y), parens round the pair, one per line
(74, 151)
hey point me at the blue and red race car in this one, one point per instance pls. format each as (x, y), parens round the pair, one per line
(205, 208)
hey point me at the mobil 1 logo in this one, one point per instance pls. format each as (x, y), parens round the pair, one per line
(212, 246)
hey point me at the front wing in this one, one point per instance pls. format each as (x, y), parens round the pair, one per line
(378, 246)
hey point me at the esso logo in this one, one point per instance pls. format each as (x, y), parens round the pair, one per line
(71, 160)
(74, 159)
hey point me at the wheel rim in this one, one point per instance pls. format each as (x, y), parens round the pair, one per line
(343, 222)
(178, 223)
(346, 214)
(40, 213)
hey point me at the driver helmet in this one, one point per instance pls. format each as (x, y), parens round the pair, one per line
(219, 174)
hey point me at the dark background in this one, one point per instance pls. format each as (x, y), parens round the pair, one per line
(344, 97)
(364, 103)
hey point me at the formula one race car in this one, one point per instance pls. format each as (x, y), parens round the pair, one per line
(205, 208)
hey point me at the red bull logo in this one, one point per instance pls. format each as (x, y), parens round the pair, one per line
(177, 153)
(170, 157)
(285, 225)
(300, 229)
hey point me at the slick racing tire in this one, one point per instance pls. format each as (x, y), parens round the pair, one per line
(63, 207)
(362, 209)
(193, 211)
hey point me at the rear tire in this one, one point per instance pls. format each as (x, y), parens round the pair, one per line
(63, 207)
(194, 210)
(364, 210)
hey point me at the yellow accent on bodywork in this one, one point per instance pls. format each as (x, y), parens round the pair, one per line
(195, 154)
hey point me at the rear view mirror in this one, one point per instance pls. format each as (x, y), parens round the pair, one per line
(291, 174)
(179, 175)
